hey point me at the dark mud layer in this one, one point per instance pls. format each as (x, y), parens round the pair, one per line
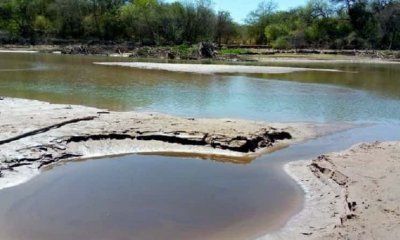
(34, 134)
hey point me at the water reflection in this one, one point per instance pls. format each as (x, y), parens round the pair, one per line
(379, 79)
(159, 197)
(327, 96)
(147, 197)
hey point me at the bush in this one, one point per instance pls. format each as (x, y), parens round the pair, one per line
(144, 52)
(281, 43)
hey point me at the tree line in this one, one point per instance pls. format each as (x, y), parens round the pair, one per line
(338, 24)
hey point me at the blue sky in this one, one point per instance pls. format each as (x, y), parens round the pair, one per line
(240, 8)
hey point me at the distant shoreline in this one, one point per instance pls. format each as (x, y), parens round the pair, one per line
(242, 54)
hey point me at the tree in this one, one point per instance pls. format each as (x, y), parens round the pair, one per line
(257, 20)
(70, 16)
(142, 20)
(319, 23)
(388, 15)
(172, 23)
(42, 25)
(225, 27)
(347, 4)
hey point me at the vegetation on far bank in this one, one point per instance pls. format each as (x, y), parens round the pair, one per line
(333, 24)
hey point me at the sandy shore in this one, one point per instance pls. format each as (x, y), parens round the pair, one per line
(34, 134)
(320, 59)
(211, 68)
(349, 195)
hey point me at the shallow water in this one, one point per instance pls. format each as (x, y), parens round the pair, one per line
(159, 197)
(327, 96)
(142, 197)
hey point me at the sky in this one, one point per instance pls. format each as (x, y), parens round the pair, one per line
(239, 9)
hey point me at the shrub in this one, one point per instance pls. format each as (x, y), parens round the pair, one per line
(281, 43)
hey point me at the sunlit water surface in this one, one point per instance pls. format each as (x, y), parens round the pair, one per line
(161, 197)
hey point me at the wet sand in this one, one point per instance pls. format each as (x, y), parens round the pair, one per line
(34, 134)
(212, 68)
(351, 194)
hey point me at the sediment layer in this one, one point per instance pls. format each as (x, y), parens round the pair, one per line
(34, 134)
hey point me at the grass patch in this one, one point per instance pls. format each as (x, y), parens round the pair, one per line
(183, 49)
(234, 51)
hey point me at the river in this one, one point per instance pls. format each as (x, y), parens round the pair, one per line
(181, 197)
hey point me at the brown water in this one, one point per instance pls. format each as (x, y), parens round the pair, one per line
(145, 197)
(303, 97)
(159, 197)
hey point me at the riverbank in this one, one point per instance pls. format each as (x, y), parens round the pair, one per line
(338, 186)
(34, 134)
(349, 195)
(242, 54)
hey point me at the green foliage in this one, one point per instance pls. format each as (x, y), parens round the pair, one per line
(275, 31)
(184, 50)
(41, 24)
(319, 23)
(281, 43)
(234, 51)
(12, 28)
(258, 19)
(225, 28)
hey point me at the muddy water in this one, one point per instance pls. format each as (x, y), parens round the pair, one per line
(144, 197)
(362, 92)
(159, 197)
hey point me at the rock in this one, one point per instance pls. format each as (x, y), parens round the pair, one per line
(207, 50)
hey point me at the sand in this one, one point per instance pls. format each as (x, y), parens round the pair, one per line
(304, 59)
(17, 51)
(34, 134)
(349, 195)
(211, 68)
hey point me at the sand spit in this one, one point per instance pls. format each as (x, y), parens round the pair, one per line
(17, 51)
(211, 68)
(349, 195)
(34, 134)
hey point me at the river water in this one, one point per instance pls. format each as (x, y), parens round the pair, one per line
(171, 197)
